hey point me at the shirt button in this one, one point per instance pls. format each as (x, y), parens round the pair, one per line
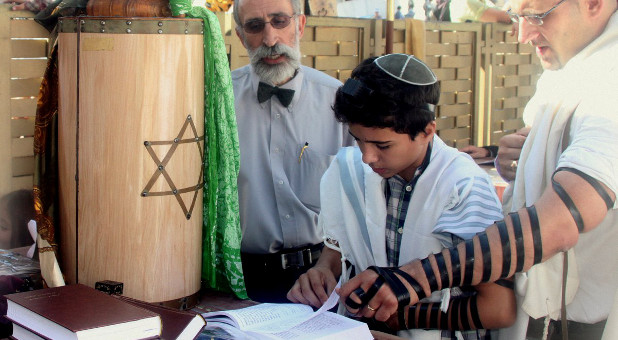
(408, 188)
(287, 217)
(280, 182)
(278, 115)
(400, 230)
(277, 150)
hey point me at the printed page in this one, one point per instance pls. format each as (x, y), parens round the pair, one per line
(266, 317)
(329, 326)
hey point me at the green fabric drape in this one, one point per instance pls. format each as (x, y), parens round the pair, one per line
(221, 265)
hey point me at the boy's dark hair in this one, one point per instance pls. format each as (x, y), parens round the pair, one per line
(386, 102)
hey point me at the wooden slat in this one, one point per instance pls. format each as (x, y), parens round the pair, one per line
(22, 127)
(23, 107)
(456, 85)
(447, 98)
(445, 73)
(456, 61)
(443, 123)
(348, 48)
(455, 110)
(464, 97)
(23, 166)
(454, 134)
(22, 147)
(340, 33)
(464, 72)
(28, 48)
(334, 63)
(28, 68)
(25, 87)
(526, 91)
(26, 29)
(22, 182)
(457, 37)
(464, 49)
(440, 49)
(502, 92)
(326, 48)
(463, 121)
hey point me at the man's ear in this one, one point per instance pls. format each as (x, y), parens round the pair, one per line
(239, 35)
(302, 20)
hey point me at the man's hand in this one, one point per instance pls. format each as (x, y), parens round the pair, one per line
(18, 5)
(475, 151)
(509, 151)
(313, 287)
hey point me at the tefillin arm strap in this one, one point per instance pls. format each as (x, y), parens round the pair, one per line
(461, 260)
(463, 269)
(462, 314)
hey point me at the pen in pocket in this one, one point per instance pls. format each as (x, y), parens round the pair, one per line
(302, 151)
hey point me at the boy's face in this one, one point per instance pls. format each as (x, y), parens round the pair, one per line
(390, 153)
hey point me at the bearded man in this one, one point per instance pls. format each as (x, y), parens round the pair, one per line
(288, 136)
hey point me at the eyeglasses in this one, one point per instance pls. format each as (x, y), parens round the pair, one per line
(532, 19)
(278, 21)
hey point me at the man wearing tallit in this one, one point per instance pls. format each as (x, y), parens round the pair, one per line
(562, 203)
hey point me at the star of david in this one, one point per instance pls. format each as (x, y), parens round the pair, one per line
(161, 164)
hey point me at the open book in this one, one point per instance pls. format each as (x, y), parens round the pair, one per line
(284, 321)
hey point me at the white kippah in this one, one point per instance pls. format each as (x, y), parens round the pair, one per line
(406, 68)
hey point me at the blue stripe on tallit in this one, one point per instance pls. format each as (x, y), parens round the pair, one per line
(348, 187)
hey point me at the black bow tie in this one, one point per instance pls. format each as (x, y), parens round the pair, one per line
(266, 91)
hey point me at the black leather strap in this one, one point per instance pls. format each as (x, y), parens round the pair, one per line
(519, 241)
(455, 267)
(505, 242)
(505, 283)
(420, 293)
(429, 273)
(536, 234)
(411, 324)
(467, 280)
(434, 316)
(353, 304)
(474, 312)
(594, 183)
(463, 313)
(422, 314)
(444, 278)
(486, 251)
(568, 202)
(455, 314)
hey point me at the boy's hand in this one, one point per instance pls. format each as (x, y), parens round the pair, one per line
(381, 307)
(313, 287)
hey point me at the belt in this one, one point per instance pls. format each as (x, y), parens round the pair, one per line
(286, 259)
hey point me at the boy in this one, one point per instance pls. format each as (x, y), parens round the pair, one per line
(400, 195)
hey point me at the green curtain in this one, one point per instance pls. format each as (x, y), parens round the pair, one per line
(221, 266)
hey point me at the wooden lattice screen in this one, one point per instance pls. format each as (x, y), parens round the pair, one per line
(512, 69)
(23, 56)
(453, 52)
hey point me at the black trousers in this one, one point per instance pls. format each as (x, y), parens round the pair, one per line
(577, 330)
(268, 279)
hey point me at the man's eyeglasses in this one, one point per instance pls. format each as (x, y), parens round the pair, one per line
(532, 19)
(278, 21)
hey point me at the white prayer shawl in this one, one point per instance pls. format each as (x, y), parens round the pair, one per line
(354, 210)
(585, 89)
